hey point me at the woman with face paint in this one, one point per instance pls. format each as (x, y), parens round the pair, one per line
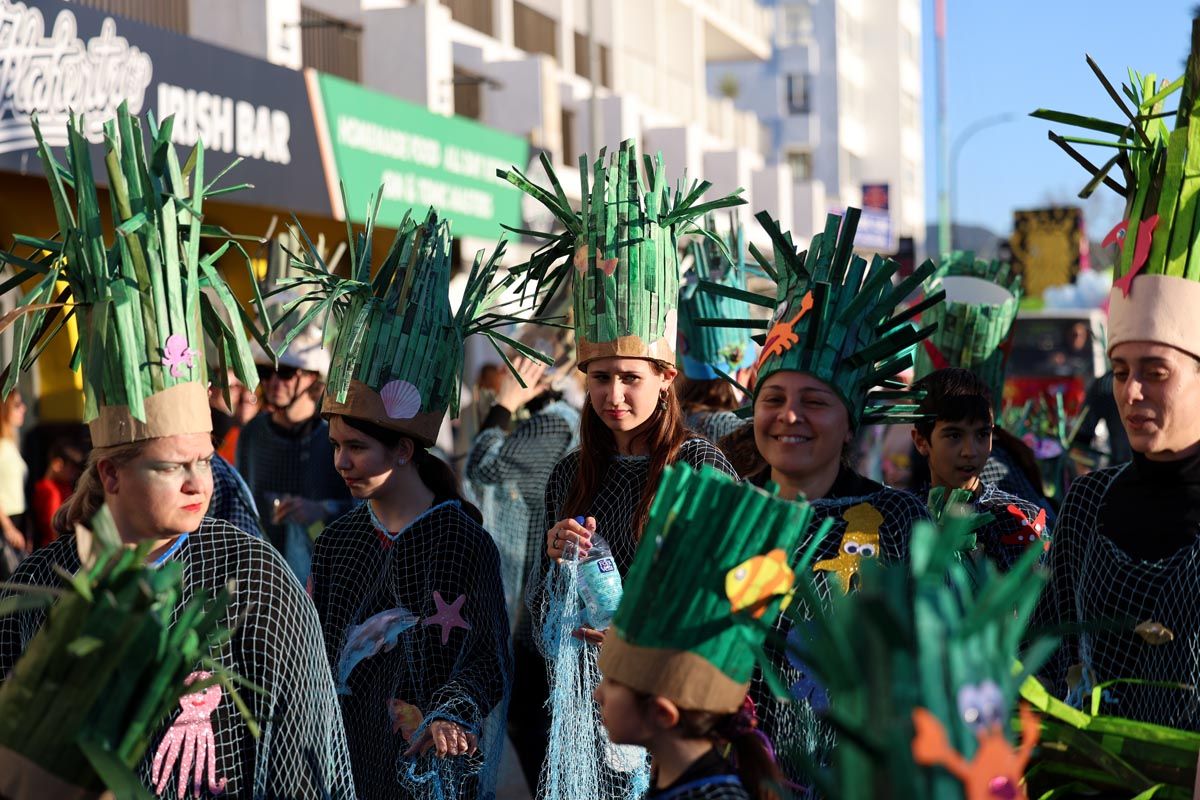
(1125, 560)
(623, 252)
(835, 343)
(151, 466)
(408, 585)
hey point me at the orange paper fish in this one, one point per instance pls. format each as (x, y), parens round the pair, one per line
(406, 718)
(755, 581)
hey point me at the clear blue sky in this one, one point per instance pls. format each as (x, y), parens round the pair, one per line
(1018, 55)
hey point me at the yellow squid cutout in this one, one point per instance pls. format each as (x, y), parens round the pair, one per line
(861, 540)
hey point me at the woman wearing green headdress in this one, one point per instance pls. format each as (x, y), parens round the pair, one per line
(835, 343)
(143, 318)
(408, 584)
(623, 252)
(1126, 551)
(706, 350)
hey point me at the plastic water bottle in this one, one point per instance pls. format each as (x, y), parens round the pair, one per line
(599, 583)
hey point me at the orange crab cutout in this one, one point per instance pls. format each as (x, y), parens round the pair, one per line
(781, 337)
(997, 770)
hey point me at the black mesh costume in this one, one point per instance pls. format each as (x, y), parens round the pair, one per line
(302, 752)
(424, 612)
(609, 771)
(715, 425)
(1094, 579)
(231, 499)
(795, 727)
(1004, 473)
(1004, 539)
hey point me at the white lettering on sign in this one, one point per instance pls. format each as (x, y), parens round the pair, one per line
(420, 191)
(225, 124)
(60, 74)
(400, 145)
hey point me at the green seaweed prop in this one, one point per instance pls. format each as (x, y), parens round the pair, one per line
(137, 296)
(623, 247)
(108, 667)
(919, 666)
(397, 347)
(974, 324)
(836, 318)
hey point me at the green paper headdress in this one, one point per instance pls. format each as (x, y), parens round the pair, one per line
(698, 602)
(138, 302)
(836, 318)
(707, 351)
(975, 321)
(397, 351)
(622, 246)
(1156, 169)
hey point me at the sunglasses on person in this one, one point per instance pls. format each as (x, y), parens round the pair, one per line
(284, 373)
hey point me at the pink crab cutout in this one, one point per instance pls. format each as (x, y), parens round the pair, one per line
(190, 737)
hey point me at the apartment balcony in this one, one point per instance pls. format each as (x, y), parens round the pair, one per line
(729, 125)
(736, 30)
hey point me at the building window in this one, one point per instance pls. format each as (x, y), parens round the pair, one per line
(329, 44)
(583, 62)
(795, 24)
(801, 163)
(570, 155)
(475, 14)
(797, 94)
(910, 114)
(468, 94)
(854, 170)
(534, 32)
(169, 14)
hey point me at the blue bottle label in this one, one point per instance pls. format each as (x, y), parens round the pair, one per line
(600, 585)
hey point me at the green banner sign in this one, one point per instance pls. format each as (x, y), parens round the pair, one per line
(421, 159)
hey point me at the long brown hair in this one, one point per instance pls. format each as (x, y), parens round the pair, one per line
(7, 431)
(663, 434)
(712, 395)
(85, 501)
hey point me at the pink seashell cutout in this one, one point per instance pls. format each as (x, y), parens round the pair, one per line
(401, 400)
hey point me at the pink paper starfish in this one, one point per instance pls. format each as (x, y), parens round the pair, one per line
(449, 615)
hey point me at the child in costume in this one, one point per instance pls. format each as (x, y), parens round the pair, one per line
(679, 656)
(408, 585)
(143, 317)
(1126, 550)
(706, 351)
(955, 438)
(622, 247)
(827, 365)
(974, 331)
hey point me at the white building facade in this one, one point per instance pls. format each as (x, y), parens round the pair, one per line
(840, 96)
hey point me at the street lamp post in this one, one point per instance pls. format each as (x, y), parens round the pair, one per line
(956, 149)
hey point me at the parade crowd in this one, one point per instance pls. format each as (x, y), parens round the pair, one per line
(669, 517)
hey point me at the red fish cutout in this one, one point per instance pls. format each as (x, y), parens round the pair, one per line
(996, 770)
(935, 355)
(1032, 530)
(1141, 248)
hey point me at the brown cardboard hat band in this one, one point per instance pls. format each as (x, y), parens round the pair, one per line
(181, 409)
(1159, 308)
(22, 779)
(686, 679)
(363, 402)
(661, 350)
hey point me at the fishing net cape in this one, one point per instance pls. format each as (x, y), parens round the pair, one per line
(415, 632)
(276, 645)
(581, 761)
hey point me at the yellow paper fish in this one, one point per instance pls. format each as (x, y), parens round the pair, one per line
(861, 540)
(406, 718)
(756, 580)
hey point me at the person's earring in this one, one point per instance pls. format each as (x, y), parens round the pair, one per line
(400, 462)
(662, 402)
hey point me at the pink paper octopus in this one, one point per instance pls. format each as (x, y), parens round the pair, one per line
(191, 735)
